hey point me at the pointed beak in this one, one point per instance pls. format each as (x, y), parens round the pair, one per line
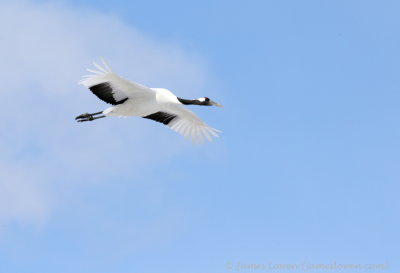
(215, 104)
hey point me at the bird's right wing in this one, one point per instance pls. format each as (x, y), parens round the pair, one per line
(184, 122)
(111, 88)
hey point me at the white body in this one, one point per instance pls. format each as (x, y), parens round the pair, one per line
(162, 99)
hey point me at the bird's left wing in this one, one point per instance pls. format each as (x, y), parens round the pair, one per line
(184, 122)
(111, 88)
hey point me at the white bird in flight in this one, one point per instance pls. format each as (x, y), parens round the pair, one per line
(159, 104)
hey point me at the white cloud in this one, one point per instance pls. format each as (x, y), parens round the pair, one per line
(44, 50)
(23, 197)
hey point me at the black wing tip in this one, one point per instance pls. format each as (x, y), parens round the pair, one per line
(162, 117)
(104, 91)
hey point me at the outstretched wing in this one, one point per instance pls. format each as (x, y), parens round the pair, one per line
(184, 122)
(111, 88)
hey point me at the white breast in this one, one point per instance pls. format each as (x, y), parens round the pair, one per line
(164, 96)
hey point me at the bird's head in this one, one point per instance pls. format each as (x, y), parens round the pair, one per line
(207, 102)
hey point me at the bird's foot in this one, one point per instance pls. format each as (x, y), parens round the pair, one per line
(84, 117)
(89, 117)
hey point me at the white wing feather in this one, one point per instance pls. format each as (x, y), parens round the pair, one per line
(189, 125)
(121, 87)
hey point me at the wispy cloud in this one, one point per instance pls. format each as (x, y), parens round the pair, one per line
(23, 197)
(44, 50)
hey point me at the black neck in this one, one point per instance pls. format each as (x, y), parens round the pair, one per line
(189, 102)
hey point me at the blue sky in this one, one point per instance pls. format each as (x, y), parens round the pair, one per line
(305, 171)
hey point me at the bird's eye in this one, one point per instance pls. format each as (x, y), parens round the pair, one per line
(207, 99)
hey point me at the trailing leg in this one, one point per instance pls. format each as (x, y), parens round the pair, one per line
(89, 117)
